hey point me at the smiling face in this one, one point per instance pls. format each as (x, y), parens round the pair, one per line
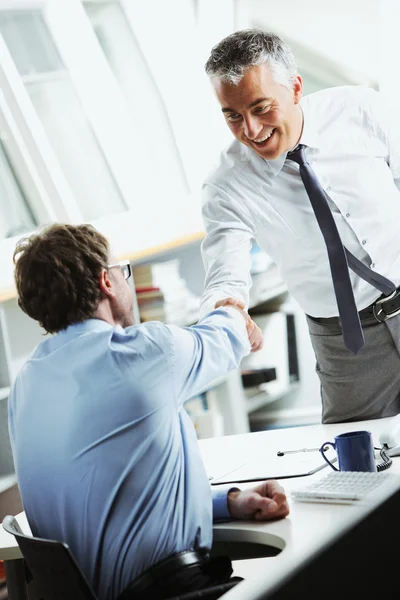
(262, 114)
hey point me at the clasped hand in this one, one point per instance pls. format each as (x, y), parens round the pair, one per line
(254, 333)
(265, 502)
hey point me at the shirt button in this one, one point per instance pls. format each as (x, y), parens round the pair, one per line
(364, 242)
(347, 215)
(328, 189)
(372, 265)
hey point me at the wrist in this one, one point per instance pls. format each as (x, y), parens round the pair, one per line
(231, 501)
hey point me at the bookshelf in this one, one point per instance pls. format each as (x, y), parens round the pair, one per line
(257, 399)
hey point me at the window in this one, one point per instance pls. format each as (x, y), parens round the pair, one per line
(99, 129)
(15, 215)
(62, 116)
(137, 84)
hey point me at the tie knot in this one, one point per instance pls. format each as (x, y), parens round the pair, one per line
(298, 155)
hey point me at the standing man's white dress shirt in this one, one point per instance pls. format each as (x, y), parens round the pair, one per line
(353, 145)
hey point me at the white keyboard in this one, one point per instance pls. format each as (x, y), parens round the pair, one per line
(343, 487)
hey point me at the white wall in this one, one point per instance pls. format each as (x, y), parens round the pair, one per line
(389, 48)
(346, 31)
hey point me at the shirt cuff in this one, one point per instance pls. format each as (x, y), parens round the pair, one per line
(209, 306)
(237, 318)
(220, 503)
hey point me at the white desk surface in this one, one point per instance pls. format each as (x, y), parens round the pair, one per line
(308, 524)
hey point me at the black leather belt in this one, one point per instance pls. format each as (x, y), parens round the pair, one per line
(381, 310)
(163, 569)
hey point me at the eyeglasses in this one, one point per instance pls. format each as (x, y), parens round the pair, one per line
(125, 267)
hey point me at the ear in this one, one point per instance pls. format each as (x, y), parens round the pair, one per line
(297, 89)
(105, 284)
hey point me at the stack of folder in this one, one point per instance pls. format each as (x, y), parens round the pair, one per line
(163, 295)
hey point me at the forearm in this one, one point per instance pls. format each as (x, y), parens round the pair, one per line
(226, 253)
(213, 293)
(207, 350)
(227, 271)
(223, 336)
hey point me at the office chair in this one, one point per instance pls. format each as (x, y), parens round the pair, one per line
(55, 574)
(211, 593)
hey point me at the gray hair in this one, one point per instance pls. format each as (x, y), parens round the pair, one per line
(237, 53)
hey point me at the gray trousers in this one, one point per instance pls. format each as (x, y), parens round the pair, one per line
(362, 386)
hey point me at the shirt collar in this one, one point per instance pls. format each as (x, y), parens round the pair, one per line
(86, 327)
(309, 137)
(65, 335)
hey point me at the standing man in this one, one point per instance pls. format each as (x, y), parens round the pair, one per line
(105, 454)
(315, 181)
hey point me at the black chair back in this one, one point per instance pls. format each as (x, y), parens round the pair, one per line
(55, 573)
(211, 593)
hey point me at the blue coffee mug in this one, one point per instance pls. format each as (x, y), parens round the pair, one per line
(355, 451)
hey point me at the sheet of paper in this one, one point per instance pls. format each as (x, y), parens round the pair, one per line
(271, 467)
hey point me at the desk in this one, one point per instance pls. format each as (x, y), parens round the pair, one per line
(307, 526)
(308, 523)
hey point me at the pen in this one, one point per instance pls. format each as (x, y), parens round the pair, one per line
(282, 453)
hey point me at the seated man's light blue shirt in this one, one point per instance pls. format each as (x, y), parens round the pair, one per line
(106, 457)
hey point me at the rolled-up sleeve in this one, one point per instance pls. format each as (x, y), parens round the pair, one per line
(226, 248)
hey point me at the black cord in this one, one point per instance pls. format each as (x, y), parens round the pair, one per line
(387, 461)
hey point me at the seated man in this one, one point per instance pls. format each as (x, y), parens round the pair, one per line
(106, 456)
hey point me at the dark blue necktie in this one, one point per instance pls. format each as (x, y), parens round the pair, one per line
(340, 259)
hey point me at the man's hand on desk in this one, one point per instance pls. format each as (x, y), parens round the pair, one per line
(265, 502)
(254, 333)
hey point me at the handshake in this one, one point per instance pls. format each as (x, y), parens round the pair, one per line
(254, 333)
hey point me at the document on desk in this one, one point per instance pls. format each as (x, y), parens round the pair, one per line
(272, 467)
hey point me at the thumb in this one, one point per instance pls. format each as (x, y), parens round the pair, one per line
(261, 503)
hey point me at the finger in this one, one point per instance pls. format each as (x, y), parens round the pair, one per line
(238, 303)
(256, 340)
(268, 508)
(221, 302)
(260, 344)
(254, 333)
(279, 498)
(255, 329)
(281, 513)
(285, 510)
(256, 347)
(250, 327)
(273, 487)
(231, 302)
(259, 504)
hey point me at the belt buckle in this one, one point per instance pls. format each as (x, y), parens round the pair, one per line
(378, 308)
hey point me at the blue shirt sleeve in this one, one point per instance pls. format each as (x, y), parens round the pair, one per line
(207, 350)
(220, 503)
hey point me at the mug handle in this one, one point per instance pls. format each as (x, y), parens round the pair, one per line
(323, 454)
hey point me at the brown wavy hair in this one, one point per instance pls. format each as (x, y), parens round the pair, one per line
(57, 274)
